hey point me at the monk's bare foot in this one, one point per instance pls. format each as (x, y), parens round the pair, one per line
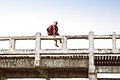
(60, 41)
(56, 45)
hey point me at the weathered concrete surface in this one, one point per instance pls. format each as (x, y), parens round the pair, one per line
(46, 62)
(61, 52)
(52, 66)
(108, 69)
(61, 63)
(92, 70)
(2, 75)
(56, 66)
(51, 73)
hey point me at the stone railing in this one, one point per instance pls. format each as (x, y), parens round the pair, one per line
(37, 51)
(38, 38)
(64, 38)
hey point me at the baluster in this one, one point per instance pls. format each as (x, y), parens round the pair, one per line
(12, 44)
(37, 49)
(114, 42)
(64, 43)
(92, 70)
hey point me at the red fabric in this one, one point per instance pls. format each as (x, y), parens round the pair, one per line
(50, 30)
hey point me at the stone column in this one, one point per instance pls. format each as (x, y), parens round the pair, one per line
(92, 70)
(37, 49)
(64, 43)
(114, 42)
(12, 44)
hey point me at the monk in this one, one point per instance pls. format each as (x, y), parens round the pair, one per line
(52, 30)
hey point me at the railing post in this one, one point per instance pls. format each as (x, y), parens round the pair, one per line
(37, 49)
(64, 43)
(92, 70)
(12, 44)
(114, 42)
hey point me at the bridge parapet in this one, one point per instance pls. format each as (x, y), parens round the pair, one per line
(91, 59)
(65, 38)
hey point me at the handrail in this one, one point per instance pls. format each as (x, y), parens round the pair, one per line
(91, 37)
(3, 38)
(13, 39)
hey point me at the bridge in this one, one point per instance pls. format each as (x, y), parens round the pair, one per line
(59, 63)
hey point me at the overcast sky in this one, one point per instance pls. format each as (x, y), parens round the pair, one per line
(75, 17)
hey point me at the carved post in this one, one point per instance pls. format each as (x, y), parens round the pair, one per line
(12, 44)
(92, 70)
(64, 44)
(37, 49)
(114, 42)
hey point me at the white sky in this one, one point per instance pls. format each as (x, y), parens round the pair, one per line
(26, 17)
(75, 17)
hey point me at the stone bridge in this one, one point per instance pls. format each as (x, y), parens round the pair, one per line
(59, 63)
